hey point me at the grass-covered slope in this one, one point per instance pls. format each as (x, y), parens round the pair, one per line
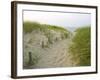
(80, 48)
(30, 26)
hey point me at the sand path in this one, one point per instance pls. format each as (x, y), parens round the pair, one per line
(57, 55)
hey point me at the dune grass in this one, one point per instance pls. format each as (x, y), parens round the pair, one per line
(29, 26)
(80, 48)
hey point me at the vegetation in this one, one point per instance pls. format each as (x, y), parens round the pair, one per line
(30, 26)
(80, 48)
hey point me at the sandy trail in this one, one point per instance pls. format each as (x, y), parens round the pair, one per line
(57, 55)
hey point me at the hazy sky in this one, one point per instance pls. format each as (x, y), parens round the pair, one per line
(59, 19)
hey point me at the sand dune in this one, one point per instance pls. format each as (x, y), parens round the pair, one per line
(56, 55)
